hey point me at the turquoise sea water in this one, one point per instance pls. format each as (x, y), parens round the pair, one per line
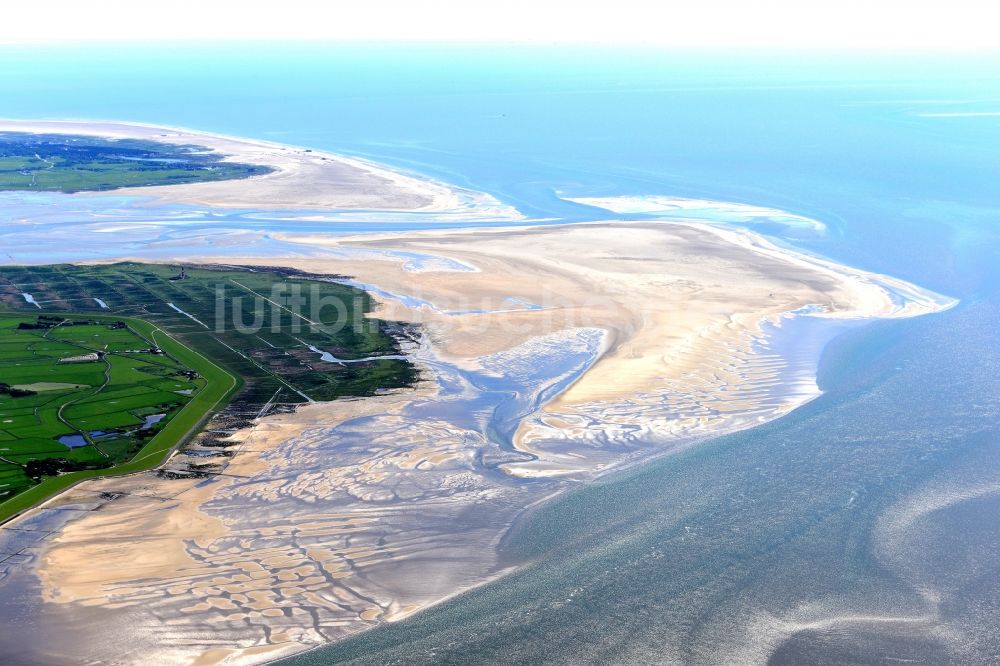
(841, 142)
(794, 541)
(845, 140)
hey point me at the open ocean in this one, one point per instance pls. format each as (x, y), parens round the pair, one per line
(861, 528)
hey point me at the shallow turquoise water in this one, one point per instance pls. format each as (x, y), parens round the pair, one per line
(841, 141)
(794, 541)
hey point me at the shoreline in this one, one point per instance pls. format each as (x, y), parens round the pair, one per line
(356, 512)
(302, 178)
(367, 622)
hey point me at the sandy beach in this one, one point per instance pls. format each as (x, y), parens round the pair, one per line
(550, 355)
(302, 178)
(683, 309)
(619, 342)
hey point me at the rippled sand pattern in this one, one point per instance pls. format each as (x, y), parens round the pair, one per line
(322, 523)
(318, 524)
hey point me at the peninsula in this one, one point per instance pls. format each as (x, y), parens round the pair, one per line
(548, 355)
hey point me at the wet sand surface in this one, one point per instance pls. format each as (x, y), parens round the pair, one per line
(550, 356)
(345, 515)
(340, 516)
(858, 529)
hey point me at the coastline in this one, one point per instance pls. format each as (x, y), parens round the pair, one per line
(303, 178)
(683, 308)
(634, 368)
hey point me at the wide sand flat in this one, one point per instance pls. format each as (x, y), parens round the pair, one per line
(615, 342)
(683, 308)
(550, 353)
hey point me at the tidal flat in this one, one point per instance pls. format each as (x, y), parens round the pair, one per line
(792, 541)
(858, 529)
(551, 356)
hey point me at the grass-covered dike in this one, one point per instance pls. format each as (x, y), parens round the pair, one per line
(218, 386)
(260, 340)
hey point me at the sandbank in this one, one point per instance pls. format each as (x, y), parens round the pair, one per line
(302, 178)
(553, 354)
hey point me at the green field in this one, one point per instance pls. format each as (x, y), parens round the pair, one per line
(64, 421)
(264, 330)
(62, 163)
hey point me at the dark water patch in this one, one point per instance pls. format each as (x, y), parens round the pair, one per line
(151, 420)
(688, 558)
(887, 644)
(73, 441)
